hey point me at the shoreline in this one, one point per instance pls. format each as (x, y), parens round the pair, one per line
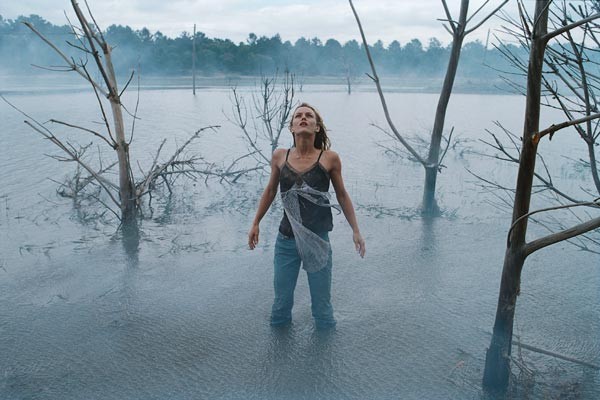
(51, 83)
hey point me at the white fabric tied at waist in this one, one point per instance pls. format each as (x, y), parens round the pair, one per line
(314, 250)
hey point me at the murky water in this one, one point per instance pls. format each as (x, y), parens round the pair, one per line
(182, 312)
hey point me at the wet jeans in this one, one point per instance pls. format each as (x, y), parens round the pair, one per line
(287, 267)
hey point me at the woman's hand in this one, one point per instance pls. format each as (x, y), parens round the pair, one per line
(253, 236)
(359, 244)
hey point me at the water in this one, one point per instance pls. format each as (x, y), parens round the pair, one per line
(186, 315)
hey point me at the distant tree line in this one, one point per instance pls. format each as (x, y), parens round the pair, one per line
(156, 53)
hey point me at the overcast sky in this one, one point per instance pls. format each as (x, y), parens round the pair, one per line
(387, 20)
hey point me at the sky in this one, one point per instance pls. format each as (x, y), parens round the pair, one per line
(385, 20)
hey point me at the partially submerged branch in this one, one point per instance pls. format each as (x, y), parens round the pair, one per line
(160, 170)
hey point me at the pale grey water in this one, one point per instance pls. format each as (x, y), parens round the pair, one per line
(186, 317)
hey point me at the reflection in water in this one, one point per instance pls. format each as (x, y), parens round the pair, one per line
(299, 364)
(131, 242)
(428, 238)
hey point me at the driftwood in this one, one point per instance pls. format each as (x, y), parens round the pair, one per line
(556, 355)
(539, 350)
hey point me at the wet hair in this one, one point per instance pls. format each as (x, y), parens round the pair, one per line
(322, 141)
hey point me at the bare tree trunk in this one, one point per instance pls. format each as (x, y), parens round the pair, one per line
(593, 165)
(126, 185)
(92, 44)
(459, 30)
(431, 169)
(194, 61)
(497, 362)
(348, 80)
(497, 365)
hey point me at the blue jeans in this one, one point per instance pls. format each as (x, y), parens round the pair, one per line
(287, 266)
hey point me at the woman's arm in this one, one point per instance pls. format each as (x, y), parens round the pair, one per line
(266, 199)
(343, 198)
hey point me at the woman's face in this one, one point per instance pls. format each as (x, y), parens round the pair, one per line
(304, 121)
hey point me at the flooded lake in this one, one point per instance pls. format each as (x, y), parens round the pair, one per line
(182, 312)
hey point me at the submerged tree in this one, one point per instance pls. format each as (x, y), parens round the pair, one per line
(581, 108)
(433, 162)
(127, 194)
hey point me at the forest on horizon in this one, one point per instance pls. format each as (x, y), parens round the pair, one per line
(157, 54)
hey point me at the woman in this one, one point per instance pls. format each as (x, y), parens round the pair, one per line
(303, 174)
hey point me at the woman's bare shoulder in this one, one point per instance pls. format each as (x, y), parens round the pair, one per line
(279, 152)
(279, 156)
(331, 155)
(330, 160)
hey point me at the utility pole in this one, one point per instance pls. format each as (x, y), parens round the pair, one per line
(194, 62)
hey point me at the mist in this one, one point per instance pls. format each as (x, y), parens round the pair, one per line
(152, 53)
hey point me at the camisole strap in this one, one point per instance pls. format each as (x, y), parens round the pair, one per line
(288, 154)
(320, 156)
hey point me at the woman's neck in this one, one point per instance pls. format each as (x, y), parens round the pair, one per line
(304, 148)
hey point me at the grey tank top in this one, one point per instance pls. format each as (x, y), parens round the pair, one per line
(316, 218)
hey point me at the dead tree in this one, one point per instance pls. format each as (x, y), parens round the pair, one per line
(126, 195)
(194, 62)
(349, 74)
(432, 163)
(536, 34)
(263, 120)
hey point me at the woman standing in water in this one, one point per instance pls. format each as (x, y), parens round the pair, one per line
(303, 174)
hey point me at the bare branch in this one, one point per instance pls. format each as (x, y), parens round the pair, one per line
(127, 84)
(477, 11)
(89, 34)
(80, 48)
(487, 17)
(380, 91)
(492, 184)
(568, 27)
(101, 40)
(576, 230)
(137, 103)
(553, 128)
(55, 69)
(160, 170)
(40, 128)
(241, 121)
(104, 118)
(447, 29)
(75, 157)
(447, 147)
(85, 130)
(64, 57)
(522, 217)
(448, 15)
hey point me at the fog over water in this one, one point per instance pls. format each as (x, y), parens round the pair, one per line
(183, 313)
